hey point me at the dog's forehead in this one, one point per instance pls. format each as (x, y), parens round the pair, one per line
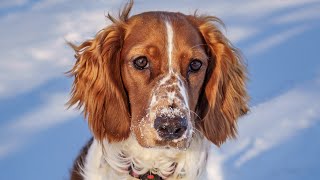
(154, 33)
(150, 27)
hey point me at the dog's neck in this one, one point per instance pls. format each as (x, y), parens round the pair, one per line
(117, 159)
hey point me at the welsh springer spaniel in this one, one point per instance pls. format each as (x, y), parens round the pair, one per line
(156, 89)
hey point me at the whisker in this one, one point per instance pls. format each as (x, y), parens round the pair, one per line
(196, 115)
(195, 130)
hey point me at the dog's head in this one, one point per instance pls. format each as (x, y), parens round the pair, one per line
(162, 76)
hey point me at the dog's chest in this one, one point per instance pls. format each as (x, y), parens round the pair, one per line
(118, 158)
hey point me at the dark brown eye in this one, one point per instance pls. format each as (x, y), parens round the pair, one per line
(195, 65)
(141, 63)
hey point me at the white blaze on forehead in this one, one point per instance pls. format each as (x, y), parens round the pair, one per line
(169, 44)
(169, 51)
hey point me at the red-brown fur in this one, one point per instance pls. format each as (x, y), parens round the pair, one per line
(224, 98)
(113, 100)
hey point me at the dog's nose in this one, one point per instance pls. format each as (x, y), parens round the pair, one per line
(170, 128)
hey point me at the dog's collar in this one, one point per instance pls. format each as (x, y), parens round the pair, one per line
(147, 176)
(151, 174)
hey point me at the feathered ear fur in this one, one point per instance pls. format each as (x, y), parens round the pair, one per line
(98, 85)
(224, 97)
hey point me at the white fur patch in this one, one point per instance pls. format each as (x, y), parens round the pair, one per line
(169, 45)
(91, 168)
(114, 163)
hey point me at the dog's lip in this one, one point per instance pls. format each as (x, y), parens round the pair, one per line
(181, 144)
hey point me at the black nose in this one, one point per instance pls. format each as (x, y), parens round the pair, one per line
(170, 128)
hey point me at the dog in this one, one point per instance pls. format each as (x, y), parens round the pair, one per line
(158, 88)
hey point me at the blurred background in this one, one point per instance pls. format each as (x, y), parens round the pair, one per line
(278, 139)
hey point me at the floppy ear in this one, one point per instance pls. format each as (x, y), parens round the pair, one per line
(224, 97)
(98, 85)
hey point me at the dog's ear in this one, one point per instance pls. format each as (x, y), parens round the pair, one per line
(224, 97)
(98, 86)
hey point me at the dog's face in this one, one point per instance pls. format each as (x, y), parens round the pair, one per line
(162, 77)
(163, 72)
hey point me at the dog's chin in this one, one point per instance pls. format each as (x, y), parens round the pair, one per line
(182, 144)
(178, 145)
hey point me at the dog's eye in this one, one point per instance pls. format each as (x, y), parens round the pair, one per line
(141, 63)
(195, 65)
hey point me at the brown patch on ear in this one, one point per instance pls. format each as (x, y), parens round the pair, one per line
(98, 85)
(224, 98)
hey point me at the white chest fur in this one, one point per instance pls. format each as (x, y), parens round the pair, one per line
(112, 160)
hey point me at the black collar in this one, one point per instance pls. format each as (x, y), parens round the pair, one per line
(147, 176)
